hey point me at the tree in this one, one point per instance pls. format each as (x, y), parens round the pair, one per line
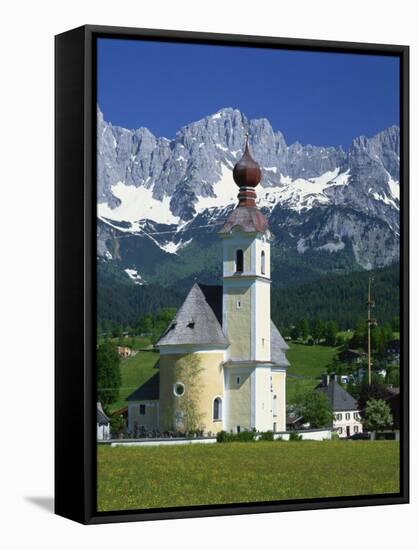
(108, 373)
(316, 409)
(360, 335)
(375, 390)
(303, 329)
(393, 377)
(188, 374)
(117, 331)
(317, 330)
(331, 331)
(395, 325)
(295, 333)
(377, 415)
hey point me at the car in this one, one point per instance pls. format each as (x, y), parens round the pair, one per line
(361, 435)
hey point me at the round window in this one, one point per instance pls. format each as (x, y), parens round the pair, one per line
(179, 389)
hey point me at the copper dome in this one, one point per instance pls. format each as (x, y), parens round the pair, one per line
(247, 172)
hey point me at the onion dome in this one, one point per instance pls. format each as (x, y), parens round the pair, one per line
(247, 175)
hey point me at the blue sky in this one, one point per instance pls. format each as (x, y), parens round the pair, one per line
(313, 97)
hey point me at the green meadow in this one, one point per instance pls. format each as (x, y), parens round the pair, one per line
(192, 475)
(135, 371)
(307, 364)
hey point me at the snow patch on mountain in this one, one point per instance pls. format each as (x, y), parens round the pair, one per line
(134, 276)
(173, 248)
(302, 194)
(394, 187)
(225, 191)
(137, 203)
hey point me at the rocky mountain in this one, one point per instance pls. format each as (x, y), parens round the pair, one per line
(161, 201)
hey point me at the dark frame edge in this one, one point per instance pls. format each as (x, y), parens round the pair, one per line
(70, 397)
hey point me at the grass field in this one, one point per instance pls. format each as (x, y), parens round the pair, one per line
(191, 475)
(308, 362)
(135, 371)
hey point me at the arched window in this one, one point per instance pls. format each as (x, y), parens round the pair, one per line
(262, 262)
(239, 261)
(216, 409)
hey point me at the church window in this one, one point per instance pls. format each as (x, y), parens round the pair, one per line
(263, 262)
(179, 389)
(217, 409)
(239, 261)
(275, 406)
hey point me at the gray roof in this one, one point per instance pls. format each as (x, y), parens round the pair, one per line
(277, 339)
(195, 323)
(278, 347)
(147, 391)
(339, 398)
(203, 308)
(101, 417)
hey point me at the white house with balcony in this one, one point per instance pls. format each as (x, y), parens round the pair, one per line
(346, 417)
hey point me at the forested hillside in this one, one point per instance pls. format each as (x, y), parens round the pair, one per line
(338, 297)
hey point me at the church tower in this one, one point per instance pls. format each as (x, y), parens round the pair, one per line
(247, 305)
(246, 270)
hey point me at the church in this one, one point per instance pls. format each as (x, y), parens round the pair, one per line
(229, 332)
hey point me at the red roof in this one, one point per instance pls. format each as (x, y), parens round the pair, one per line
(249, 219)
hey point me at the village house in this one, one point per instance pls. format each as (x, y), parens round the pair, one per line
(228, 328)
(103, 427)
(346, 416)
(125, 351)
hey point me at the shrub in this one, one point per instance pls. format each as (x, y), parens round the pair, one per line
(225, 437)
(267, 436)
(335, 436)
(245, 436)
(295, 436)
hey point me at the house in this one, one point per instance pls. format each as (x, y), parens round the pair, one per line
(352, 356)
(125, 351)
(103, 427)
(229, 331)
(346, 417)
(393, 350)
(143, 407)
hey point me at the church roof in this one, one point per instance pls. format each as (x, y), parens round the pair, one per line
(195, 322)
(249, 219)
(339, 398)
(203, 308)
(147, 391)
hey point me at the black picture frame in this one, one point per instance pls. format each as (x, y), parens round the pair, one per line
(75, 269)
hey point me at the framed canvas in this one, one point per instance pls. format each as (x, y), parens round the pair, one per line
(231, 274)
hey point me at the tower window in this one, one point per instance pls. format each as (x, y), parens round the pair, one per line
(238, 380)
(216, 409)
(239, 261)
(142, 409)
(238, 304)
(263, 262)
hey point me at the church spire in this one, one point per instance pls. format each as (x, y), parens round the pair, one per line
(247, 175)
